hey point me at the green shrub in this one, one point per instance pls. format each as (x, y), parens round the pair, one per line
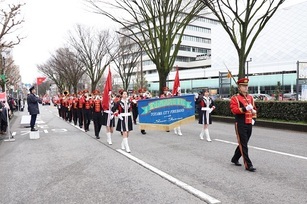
(295, 111)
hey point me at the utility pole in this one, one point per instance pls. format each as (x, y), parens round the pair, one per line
(247, 66)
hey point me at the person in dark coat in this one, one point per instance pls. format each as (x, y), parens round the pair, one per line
(3, 118)
(33, 107)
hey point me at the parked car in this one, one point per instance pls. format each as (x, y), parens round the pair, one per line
(289, 96)
(262, 97)
(46, 100)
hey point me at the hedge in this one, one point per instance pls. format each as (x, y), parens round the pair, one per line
(292, 111)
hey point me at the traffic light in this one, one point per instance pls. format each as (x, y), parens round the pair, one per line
(4, 79)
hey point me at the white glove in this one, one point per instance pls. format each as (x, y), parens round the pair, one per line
(249, 107)
(196, 95)
(120, 117)
(253, 122)
(210, 110)
(254, 111)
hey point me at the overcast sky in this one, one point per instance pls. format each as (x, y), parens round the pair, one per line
(46, 27)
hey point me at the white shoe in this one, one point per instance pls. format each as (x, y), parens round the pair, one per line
(109, 140)
(179, 131)
(201, 135)
(123, 145)
(126, 145)
(207, 135)
(175, 131)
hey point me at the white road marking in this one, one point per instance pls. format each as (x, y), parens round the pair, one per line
(59, 130)
(201, 195)
(266, 150)
(24, 132)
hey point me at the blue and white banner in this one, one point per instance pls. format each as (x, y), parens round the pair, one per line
(166, 113)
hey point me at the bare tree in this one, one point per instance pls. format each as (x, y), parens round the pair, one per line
(157, 26)
(10, 21)
(92, 49)
(9, 71)
(68, 64)
(51, 71)
(243, 20)
(126, 59)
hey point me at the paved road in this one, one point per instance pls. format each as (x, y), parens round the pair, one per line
(67, 165)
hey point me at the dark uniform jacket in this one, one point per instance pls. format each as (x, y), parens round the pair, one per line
(33, 104)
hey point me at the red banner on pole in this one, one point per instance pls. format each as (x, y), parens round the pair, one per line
(40, 80)
(176, 84)
(106, 91)
(3, 96)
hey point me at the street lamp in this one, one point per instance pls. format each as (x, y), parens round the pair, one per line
(141, 65)
(250, 59)
(282, 85)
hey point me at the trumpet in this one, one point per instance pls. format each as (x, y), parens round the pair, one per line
(98, 97)
(65, 92)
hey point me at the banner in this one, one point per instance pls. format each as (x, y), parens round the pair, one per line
(166, 113)
(40, 80)
(2, 96)
(106, 91)
(176, 86)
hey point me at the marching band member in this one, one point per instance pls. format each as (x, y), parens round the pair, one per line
(81, 101)
(134, 102)
(143, 94)
(166, 93)
(108, 118)
(69, 107)
(124, 124)
(177, 130)
(97, 113)
(64, 105)
(75, 109)
(87, 111)
(58, 104)
(206, 106)
(243, 107)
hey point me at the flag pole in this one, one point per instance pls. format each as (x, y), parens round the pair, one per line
(37, 86)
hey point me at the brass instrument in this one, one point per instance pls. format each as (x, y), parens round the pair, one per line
(65, 93)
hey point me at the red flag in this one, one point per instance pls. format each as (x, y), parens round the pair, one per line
(40, 80)
(176, 86)
(106, 91)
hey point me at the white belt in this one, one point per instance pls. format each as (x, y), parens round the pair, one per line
(205, 108)
(107, 111)
(125, 114)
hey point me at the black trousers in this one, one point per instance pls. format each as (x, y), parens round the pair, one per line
(75, 115)
(244, 132)
(87, 113)
(80, 117)
(97, 118)
(135, 113)
(33, 120)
